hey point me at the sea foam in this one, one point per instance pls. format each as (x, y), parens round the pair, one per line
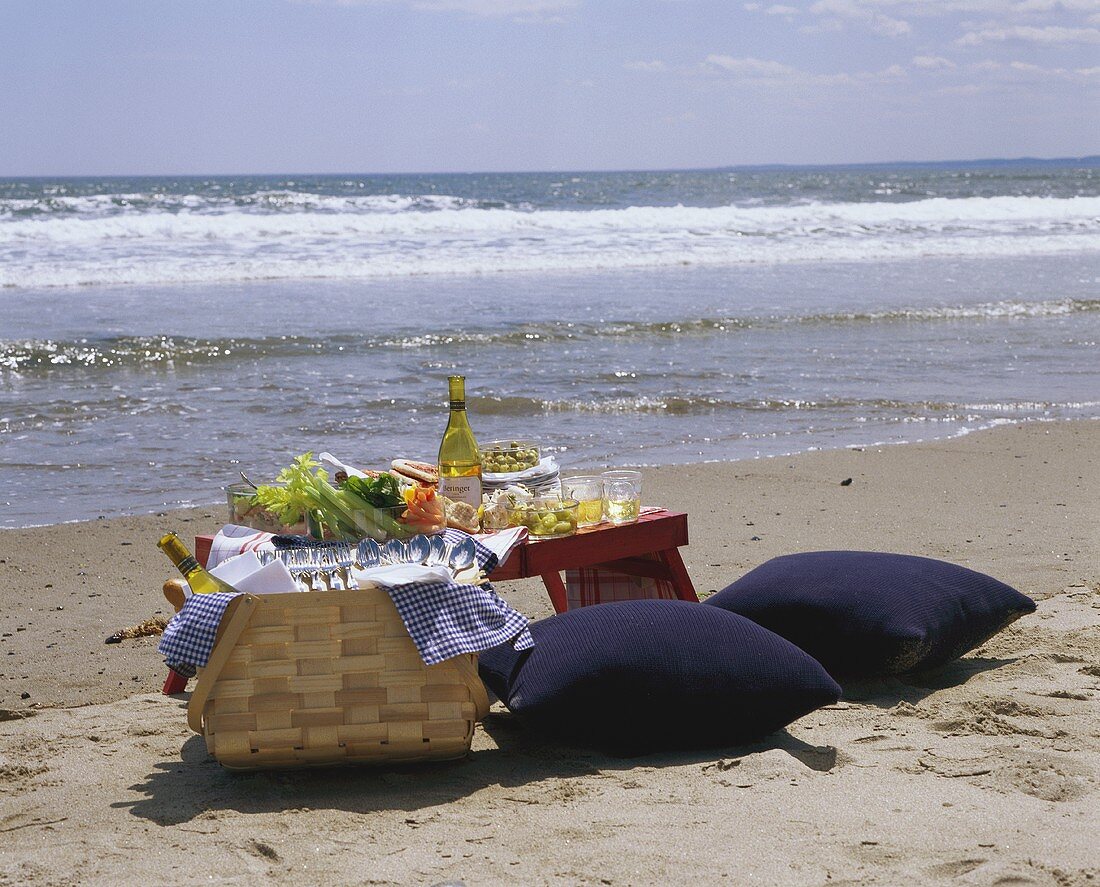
(160, 239)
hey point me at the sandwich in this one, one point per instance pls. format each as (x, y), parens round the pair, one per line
(422, 472)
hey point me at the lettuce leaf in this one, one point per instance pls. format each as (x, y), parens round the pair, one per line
(291, 501)
(381, 492)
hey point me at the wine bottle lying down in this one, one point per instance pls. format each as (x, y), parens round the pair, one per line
(200, 580)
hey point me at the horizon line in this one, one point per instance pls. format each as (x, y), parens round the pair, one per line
(1090, 159)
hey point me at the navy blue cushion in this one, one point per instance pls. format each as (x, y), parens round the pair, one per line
(865, 613)
(646, 675)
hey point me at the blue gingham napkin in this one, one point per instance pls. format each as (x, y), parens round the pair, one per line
(444, 619)
(189, 637)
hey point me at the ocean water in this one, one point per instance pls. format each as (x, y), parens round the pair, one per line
(159, 334)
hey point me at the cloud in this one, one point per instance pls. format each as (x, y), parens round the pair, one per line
(1039, 72)
(498, 8)
(752, 68)
(1040, 21)
(941, 8)
(997, 73)
(1051, 34)
(788, 12)
(1056, 5)
(932, 62)
(655, 65)
(525, 10)
(890, 27)
(864, 13)
(761, 71)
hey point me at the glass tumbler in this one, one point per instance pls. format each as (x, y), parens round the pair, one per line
(588, 491)
(622, 496)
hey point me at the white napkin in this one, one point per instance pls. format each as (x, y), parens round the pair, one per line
(504, 542)
(245, 574)
(233, 539)
(402, 574)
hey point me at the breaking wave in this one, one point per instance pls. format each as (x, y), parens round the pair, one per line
(154, 238)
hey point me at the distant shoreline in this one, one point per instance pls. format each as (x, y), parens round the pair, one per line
(1088, 160)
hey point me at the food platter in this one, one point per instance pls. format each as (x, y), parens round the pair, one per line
(547, 470)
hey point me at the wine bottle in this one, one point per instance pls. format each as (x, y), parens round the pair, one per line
(459, 456)
(200, 580)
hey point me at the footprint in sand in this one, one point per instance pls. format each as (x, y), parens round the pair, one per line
(17, 779)
(999, 716)
(1043, 775)
(955, 868)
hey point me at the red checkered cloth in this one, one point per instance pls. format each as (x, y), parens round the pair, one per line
(588, 586)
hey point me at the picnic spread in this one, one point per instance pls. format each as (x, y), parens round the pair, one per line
(346, 614)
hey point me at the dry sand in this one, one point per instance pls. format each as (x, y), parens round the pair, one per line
(985, 773)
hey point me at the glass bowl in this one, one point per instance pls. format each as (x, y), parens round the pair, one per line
(245, 511)
(509, 456)
(547, 517)
(390, 523)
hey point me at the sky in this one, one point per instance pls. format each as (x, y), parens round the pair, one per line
(102, 87)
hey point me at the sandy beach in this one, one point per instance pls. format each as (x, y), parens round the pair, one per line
(983, 773)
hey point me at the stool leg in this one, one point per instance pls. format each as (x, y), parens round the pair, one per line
(681, 581)
(175, 683)
(556, 589)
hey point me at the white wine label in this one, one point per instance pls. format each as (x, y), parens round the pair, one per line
(462, 489)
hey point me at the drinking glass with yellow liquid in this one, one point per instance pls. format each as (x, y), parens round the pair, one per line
(588, 491)
(622, 496)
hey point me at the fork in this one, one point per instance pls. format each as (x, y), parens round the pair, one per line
(329, 569)
(290, 560)
(306, 561)
(345, 560)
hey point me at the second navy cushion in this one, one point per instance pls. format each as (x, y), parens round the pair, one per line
(865, 613)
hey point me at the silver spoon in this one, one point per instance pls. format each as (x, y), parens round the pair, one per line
(368, 554)
(462, 555)
(438, 551)
(395, 552)
(419, 549)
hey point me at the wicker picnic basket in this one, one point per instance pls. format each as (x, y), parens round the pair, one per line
(330, 677)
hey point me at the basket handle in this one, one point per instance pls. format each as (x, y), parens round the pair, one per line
(173, 592)
(233, 622)
(468, 671)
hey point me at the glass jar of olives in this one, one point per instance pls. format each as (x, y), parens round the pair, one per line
(509, 456)
(546, 517)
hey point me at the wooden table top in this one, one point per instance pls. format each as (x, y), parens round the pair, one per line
(605, 542)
